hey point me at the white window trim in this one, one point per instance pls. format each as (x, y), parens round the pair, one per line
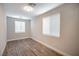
(57, 34)
(20, 31)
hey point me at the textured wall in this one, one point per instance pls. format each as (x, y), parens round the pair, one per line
(2, 29)
(69, 29)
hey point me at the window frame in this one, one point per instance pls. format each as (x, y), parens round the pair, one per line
(49, 34)
(20, 31)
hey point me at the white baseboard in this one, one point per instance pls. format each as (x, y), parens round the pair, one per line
(55, 49)
(1, 53)
(17, 39)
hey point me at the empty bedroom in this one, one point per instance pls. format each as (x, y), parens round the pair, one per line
(39, 29)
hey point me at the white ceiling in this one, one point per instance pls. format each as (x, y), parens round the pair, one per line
(16, 9)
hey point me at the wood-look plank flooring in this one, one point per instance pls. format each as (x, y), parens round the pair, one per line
(27, 47)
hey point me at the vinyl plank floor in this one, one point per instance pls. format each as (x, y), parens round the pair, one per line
(27, 47)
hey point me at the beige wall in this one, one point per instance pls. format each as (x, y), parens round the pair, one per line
(68, 42)
(2, 29)
(11, 35)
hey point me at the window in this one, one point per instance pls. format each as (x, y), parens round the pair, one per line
(19, 26)
(51, 25)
